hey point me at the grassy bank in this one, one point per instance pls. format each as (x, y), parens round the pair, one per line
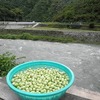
(28, 36)
(63, 36)
(72, 26)
(64, 39)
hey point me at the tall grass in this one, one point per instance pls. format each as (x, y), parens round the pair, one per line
(28, 36)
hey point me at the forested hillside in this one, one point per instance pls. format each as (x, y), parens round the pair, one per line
(80, 10)
(50, 10)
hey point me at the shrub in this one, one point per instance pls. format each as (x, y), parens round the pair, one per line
(68, 26)
(57, 25)
(26, 36)
(75, 25)
(7, 61)
(91, 25)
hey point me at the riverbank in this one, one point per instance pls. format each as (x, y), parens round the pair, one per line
(91, 37)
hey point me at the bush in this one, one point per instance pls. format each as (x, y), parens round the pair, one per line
(7, 62)
(56, 25)
(75, 25)
(91, 25)
(26, 36)
(68, 26)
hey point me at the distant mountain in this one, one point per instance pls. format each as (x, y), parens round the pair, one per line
(50, 10)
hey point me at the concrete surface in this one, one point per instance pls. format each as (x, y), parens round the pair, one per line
(16, 25)
(83, 59)
(74, 93)
(7, 94)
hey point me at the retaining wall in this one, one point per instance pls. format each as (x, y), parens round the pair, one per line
(89, 37)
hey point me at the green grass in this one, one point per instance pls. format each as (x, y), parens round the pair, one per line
(28, 36)
(63, 39)
(61, 29)
(65, 26)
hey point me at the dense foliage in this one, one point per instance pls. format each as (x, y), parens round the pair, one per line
(80, 10)
(7, 62)
(50, 10)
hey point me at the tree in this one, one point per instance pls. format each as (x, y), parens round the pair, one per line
(18, 13)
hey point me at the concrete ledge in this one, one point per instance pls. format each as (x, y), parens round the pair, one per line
(84, 93)
(7, 94)
(74, 93)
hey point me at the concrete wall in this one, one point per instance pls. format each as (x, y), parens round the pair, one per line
(89, 37)
(15, 25)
